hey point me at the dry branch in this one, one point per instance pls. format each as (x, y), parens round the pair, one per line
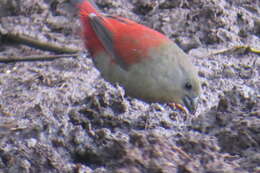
(237, 49)
(37, 43)
(34, 58)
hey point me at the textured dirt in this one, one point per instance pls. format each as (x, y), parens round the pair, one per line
(61, 116)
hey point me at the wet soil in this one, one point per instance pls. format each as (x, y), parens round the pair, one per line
(61, 116)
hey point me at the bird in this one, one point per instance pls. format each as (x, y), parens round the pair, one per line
(146, 63)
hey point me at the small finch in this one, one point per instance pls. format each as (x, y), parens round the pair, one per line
(147, 64)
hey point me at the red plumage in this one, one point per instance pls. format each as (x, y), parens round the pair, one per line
(125, 33)
(144, 62)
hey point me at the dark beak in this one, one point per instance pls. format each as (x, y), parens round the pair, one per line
(190, 103)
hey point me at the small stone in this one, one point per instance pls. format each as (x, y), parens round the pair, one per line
(57, 22)
(228, 72)
(246, 73)
(31, 142)
(223, 104)
(26, 165)
(187, 43)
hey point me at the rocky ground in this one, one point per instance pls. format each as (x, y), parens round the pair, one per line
(61, 116)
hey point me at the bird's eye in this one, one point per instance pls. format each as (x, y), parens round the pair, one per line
(188, 86)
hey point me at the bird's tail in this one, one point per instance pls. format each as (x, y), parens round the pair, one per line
(86, 7)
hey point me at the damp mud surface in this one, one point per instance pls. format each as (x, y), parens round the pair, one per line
(61, 116)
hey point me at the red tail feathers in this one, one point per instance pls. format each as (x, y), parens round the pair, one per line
(86, 7)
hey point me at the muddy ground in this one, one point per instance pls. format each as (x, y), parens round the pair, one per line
(61, 116)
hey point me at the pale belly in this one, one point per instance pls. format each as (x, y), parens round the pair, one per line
(152, 80)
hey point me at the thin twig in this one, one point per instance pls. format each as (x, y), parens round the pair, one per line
(239, 49)
(37, 43)
(183, 153)
(34, 58)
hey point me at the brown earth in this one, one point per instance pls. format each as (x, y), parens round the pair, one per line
(61, 116)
